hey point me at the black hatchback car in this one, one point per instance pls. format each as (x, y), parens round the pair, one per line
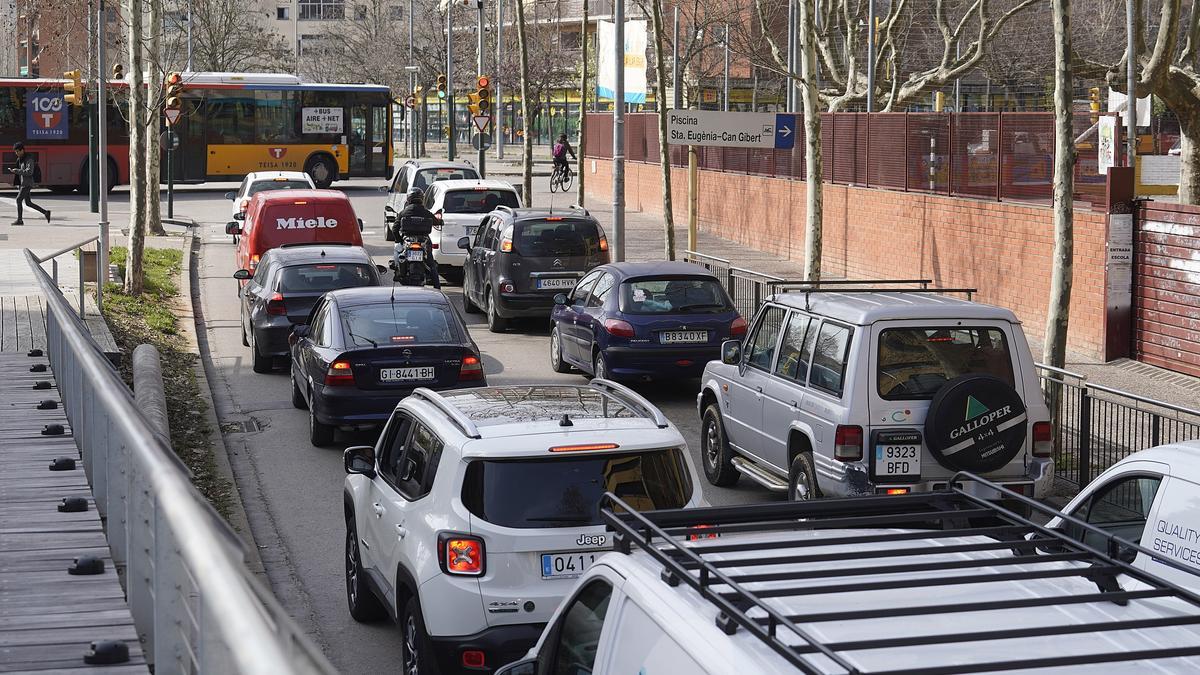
(286, 284)
(364, 349)
(519, 259)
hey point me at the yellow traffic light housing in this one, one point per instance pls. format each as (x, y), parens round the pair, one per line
(484, 96)
(74, 87)
(442, 86)
(174, 93)
(1094, 97)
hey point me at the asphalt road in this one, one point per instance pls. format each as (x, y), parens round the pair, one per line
(292, 490)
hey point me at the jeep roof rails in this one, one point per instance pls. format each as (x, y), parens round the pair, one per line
(630, 399)
(664, 536)
(457, 416)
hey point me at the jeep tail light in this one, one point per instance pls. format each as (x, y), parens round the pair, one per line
(586, 447)
(471, 368)
(697, 536)
(254, 262)
(1043, 439)
(460, 554)
(618, 327)
(603, 243)
(507, 287)
(339, 374)
(848, 443)
(474, 659)
(738, 327)
(275, 306)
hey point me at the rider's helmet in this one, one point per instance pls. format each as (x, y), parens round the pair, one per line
(415, 196)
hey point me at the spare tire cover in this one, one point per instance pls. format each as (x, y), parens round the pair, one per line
(975, 423)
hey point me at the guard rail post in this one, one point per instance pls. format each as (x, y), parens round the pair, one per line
(1085, 436)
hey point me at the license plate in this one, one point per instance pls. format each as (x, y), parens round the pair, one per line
(415, 255)
(556, 283)
(567, 565)
(896, 455)
(672, 337)
(407, 374)
(471, 230)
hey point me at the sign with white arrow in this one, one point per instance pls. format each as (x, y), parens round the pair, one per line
(731, 129)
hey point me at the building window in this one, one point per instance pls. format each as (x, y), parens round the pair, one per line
(322, 10)
(281, 13)
(569, 40)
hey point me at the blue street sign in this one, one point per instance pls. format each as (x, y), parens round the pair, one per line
(785, 132)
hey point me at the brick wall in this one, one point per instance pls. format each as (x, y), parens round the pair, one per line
(1003, 249)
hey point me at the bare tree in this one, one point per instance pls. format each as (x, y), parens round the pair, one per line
(135, 45)
(231, 36)
(1059, 310)
(814, 193)
(526, 108)
(151, 119)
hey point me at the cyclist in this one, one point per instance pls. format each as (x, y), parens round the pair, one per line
(560, 150)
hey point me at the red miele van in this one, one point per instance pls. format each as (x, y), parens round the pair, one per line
(280, 217)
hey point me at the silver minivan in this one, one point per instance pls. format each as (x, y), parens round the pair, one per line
(837, 393)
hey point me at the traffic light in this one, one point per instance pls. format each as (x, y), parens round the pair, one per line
(74, 87)
(481, 98)
(118, 71)
(174, 100)
(1094, 96)
(442, 86)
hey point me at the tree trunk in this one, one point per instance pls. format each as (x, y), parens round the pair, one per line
(1189, 159)
(137, 151)
(812, 142)
(664, 150)
(526, 140)
(583, 80)
(1058, 313)
(153, 122)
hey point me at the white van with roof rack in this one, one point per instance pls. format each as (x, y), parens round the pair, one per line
(851, 388)
(477, 509)
(874, 585)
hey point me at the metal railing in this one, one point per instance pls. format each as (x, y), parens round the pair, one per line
(196, 607)
(53, 258)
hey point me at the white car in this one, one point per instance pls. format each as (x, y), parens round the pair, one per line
(477, 509)
(261, 181)
(461, 205)
(814, 596)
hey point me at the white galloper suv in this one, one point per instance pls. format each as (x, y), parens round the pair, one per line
(477, 509)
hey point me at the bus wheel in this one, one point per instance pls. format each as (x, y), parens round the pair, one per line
(322, 169)
(61, 189)
(111, 177)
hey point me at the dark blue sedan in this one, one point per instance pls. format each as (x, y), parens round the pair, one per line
(641, 321)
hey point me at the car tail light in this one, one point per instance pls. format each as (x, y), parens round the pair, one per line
(433, 245)
(1043, 439)
(471, 368)
(339, 374)
(461, 554)
(892, 491)
(243, 204)
(254, 262)
(416, 246)
(507, 287)
(848, 443)
(586, 447)
(506, 245)
(603, 243)
(697, 536)
(618, 327)
(738, 327)
(275, 306)
(473, 658)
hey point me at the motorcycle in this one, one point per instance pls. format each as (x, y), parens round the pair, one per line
(408, 261)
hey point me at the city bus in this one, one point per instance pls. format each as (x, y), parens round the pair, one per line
(231, 124)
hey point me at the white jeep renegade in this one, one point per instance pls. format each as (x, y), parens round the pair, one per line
(475, 511)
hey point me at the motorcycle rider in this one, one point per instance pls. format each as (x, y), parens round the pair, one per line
(416, 220)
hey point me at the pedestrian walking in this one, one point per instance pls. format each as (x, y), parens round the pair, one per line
(26, 174)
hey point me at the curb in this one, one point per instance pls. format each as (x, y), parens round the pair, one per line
(182, 221)
(237, 518)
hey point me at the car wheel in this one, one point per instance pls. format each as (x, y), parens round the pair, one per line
(468, 306)
(319, 434)
(718, 460)
(298, 401)
(802, 479)
(416, 653)
(364, 605)
(454, 275)
(599, 368)
(495, 322)
(261, 363)
(556, 360)
(322, 170)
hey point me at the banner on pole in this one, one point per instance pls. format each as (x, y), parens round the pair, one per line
(635, 61)
(46, 116)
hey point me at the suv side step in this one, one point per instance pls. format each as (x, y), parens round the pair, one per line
(763, 477)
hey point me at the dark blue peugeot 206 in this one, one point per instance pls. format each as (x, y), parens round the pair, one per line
(642, 321)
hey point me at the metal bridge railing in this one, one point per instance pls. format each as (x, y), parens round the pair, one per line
(196, 607)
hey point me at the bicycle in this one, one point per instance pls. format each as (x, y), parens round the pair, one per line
(560, 178)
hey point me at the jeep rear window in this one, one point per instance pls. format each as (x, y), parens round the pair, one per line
(263, 186)
(427, 177)
(478, 201)
(915, 362)
(565, 491)
(322, 277)
(546, 238)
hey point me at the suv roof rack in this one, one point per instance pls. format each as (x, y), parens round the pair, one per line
(631, 399)
(664, 536)
(457, 416)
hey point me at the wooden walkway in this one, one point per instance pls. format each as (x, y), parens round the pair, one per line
(48, 617)
(22, 323)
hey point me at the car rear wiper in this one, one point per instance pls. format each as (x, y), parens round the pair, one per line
(356, 336)
(703, 305)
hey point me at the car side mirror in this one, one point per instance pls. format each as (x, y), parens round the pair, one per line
(464, 243)
(240, 215)
(230, 196)
(360, 459)
(242, 275)
(381, 269)
(233, 227)
(384, 188)
(526, 667)
(731, 352)
(560, 298)
(360, 224)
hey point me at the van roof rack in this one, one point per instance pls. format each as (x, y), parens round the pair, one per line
(630, 399)
(679, 540)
